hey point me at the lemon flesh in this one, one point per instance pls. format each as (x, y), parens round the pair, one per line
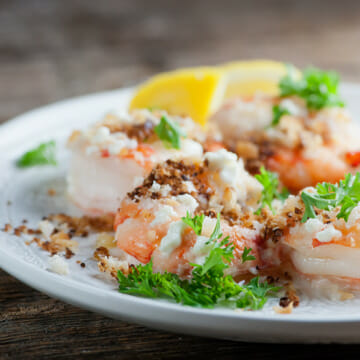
(246, 78)
(194, 92)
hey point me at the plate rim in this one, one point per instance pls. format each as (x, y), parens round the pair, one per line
(6, 258)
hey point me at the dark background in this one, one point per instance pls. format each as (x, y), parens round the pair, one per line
(50, 50)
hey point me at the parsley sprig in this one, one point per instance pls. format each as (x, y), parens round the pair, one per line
(208, 287)
(270, 183)
(278, 113)
(245, 255)
(221, 252)
(44, 154)
(318, 88)
(195, 222)
(169, 132)
(345, 194)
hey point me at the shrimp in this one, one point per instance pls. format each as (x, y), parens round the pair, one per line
(172, 245)
(111, 157)
(149, 223)
(194, 249)
(297, 171)
(142, 242)
(324, 250)
(304, 148)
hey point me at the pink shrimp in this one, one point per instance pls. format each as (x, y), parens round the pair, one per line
(109, 157)
(324, 252)
(304, 147)
(149, 221)
(297, 172)
(137, 236)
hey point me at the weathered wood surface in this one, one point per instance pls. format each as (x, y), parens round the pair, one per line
(50, 50)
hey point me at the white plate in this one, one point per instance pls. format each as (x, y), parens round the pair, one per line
(312, 321)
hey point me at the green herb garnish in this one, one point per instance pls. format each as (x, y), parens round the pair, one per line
(278, 113)
(245, 255)
(345, 194)
(270, 183)
(195, 223)
(216, 234)
(169, 132)
(318, 88)
(44, 154)
(208, 286)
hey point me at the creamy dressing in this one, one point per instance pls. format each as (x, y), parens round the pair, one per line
(200, 251)
(328, 234)
(173, 237)
(233, 174)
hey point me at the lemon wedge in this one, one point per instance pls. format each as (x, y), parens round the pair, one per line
(195, 92)
(245, 78)
(198, 92)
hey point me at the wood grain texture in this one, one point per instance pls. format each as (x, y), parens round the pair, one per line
(50, 50)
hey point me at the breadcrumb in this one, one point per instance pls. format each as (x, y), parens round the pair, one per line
(111, 265)
(51, 192)
(284, 310)
(58, 265)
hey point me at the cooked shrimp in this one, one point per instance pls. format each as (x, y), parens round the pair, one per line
(149, 226)
(305, 147)
(171, 244)
(297, 171)
(109, 158)
(194, 249)
(140, 227)
(322, 248)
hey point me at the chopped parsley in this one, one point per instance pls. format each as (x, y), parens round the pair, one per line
(44, 154)
(208, 286)
(318, 88)
(345, 194)
(245, 255)
(270, 182)
(195, 223)
(278, 113)
(169, 132)
(216, 234)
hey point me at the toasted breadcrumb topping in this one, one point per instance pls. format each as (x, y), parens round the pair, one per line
(101, 252)
(175, 174)
(111, 265)
(175, 177)
(284, 310)
(80, 226)
(140, 132)
(7, 228)
(55, 232)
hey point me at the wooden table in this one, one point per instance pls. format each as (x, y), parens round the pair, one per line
(50, 50)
